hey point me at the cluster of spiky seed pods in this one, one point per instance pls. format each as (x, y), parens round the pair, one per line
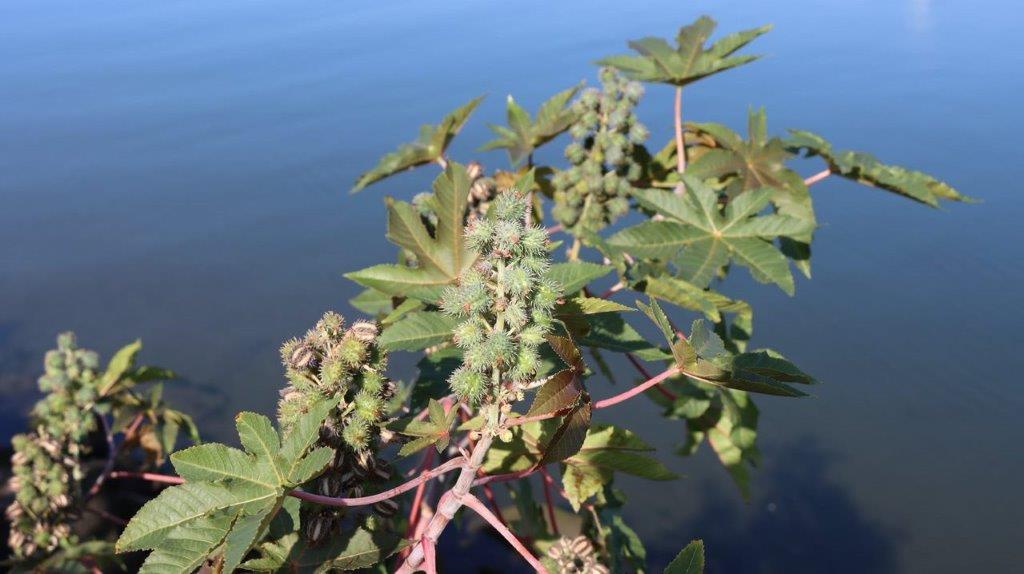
(334, 361)
(46, 465)
(595, 190)
(575, 556)
(504, 301)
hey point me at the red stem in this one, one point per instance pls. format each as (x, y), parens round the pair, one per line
(112, 451)
(625, 395)
(485, 513)
(647, 375)
(489, 493)
(430, 557)
(319, 499)
(547, 500)
(604, 403)
(417, 501)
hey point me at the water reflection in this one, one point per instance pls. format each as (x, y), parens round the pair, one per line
(799, 521)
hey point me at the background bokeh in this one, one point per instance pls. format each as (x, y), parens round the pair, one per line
(178, 171)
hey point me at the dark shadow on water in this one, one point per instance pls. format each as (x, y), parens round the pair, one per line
(798, 521)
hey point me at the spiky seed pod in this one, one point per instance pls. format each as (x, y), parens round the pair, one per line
(576, 556)
(605, 135)
(364, 331)
(500, 336)
(348, 365)
(46, 469)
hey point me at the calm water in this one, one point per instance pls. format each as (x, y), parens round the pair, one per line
(178, 171)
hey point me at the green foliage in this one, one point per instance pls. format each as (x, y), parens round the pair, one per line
(525, 134)
(865, 168)
(429, 147)
(690, 560)
(362, 548)
(48, 465)
(231, 495)
(689, 60)
(440, 254)
(435, 430)
(700, 239)
(503, 321)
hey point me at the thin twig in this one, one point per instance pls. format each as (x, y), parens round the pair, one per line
(617, 287)
(485, 513)
(817, 177)
(647, 375)
(680, 142)
(417, 499)
(554, 228)
(112, 451)
(625, 395)
(547, 499)
(604, 403)
(108, 516)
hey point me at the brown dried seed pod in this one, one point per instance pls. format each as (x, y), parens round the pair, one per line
(474, 169)
(386, 508)
(302, 357)
(364, 331)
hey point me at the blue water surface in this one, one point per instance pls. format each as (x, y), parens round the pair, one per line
(178, 171)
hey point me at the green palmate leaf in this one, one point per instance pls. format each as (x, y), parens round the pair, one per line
(436, 429)
(428, 147)
(626, 551)
(716, 365)
(301, 437)
(366, 546)
(700, 227)
(245, 532)
(258, 436)
(582, 305)
(185, 503)
(575, 275)
(185, 549)
(684, 294)
(417, 331)
(311, 465)
(733, 436)
(246, 487)
(605, 450)
(523, 134)
(757, 162)
(682, 351)
(610, 331)
(690, 560)
(865, 168)
(372, 302)
(689, 60)
(213, 461)
(402, 310)
(441, 257)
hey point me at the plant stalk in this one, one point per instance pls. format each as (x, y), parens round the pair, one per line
(449, 504)
(680, 142)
